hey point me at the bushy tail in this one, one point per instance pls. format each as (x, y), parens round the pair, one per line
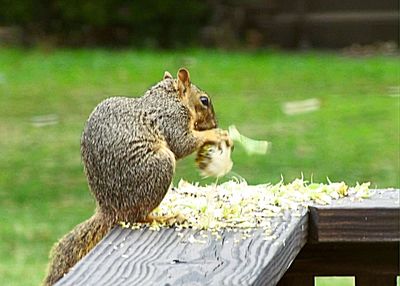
(75, 245)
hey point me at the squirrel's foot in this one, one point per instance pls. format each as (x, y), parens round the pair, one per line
(165, 219)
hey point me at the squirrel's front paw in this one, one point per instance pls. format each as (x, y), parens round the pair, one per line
(224, 135)
(214, 137)
(220, 136)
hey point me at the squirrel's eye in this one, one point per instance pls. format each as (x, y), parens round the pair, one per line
(204, 100)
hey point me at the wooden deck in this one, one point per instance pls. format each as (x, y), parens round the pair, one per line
(346, 238)
(303, 23)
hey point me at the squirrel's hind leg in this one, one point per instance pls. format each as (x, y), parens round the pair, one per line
(165, 219)
(150, 182)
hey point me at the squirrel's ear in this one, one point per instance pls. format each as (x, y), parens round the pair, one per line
(167, 75)
(183, 80)
(184, 77)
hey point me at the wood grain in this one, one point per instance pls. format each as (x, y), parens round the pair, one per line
(144, 257)
(371, 220)
(345, 238)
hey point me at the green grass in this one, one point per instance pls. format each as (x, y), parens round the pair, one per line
(43, 192)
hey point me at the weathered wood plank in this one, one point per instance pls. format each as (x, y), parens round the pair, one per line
(144, 257)
(370, 220)
(369, 229)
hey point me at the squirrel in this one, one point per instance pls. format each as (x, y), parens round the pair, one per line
(129, 149)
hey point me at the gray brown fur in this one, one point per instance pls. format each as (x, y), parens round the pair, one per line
(129, 147)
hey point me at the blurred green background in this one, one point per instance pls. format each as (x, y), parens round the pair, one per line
(46, 96)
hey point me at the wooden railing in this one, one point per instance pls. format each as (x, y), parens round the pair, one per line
(351, 238)
(303, 23)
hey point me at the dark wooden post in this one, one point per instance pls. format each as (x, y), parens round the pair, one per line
(374, 280)
(300, 28)
(297, 280)
(352, 238)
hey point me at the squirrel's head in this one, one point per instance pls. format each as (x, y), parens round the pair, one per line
(197, 101)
